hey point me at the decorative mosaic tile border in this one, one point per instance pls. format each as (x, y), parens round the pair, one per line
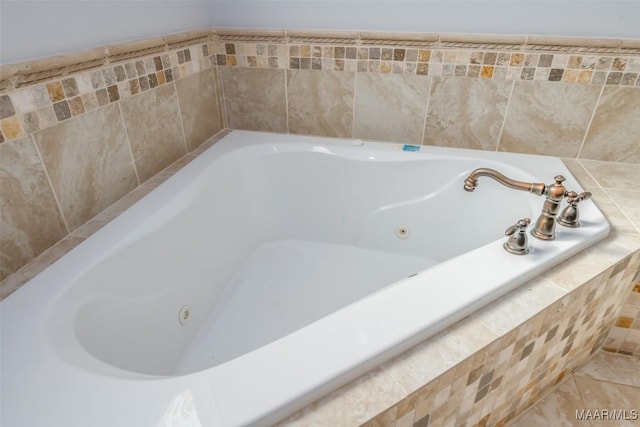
(43, 105)
(39, 94)
(570, 60)
(568, 68)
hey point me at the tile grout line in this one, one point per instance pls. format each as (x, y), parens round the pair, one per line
(219, 88)
(286, 100)
(223, 99)
(633, 224)
(126, 133)
(588, 173)
(593, 114)
(604, 190)
(426, 112)
(575, 383)
(184, 134)
(53, 191)
(353, 105)
(612, 382)
(506, 112)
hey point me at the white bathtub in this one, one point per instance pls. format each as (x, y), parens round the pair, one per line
(288, 254)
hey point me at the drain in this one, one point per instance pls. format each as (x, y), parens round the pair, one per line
(402, 232)
(184, 315)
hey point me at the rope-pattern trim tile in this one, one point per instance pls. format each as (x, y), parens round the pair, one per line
(137, 53)
(241, 38)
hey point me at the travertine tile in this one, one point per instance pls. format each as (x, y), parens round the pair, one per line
(6, 107)
(89, 163)
(35, 266)
(579, 173)
(623, 176)
(255, 98)
(320, 102)
(589, 263)
(153, 125)
(443, 351)
(549, 119)
(523, 303)
(613, 132)
(391, 107)
(350, 405)
(107, 215)
(424, 363)
(629, 241)
(198, 107)
(169, 171)
(25, 195)
(466, 113)
(613, 368)
(618, 220)
(629, 202)
(210, 142)
(560, 406)
(11, 128)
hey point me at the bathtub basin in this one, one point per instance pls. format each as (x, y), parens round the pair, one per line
(267, 272)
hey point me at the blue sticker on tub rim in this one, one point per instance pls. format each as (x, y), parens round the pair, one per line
(409, 147)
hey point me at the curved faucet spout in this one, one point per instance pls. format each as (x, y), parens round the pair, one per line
(471, 182)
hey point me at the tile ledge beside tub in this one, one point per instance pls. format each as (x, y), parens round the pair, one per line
(394, 389)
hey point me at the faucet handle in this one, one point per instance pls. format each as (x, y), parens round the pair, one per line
(521, 225)
(517, 243)
(570, 216)
(573, 198)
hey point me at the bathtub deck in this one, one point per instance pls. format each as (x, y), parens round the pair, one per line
(285, 285)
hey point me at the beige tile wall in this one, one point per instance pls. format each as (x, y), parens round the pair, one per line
(74, 143)
(466, 113)
(549, 119)
(198, 103)
(320, 103)
(390, 107)
(510, 94)
(255, 99)
(615, 126)
(25, 188)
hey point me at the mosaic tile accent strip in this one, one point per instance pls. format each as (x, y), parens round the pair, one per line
(41, 106)
(143, 65)
(506, 377)
(405, 59)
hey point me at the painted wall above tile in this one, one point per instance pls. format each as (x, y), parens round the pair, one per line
(30, 30)
(561, 18)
